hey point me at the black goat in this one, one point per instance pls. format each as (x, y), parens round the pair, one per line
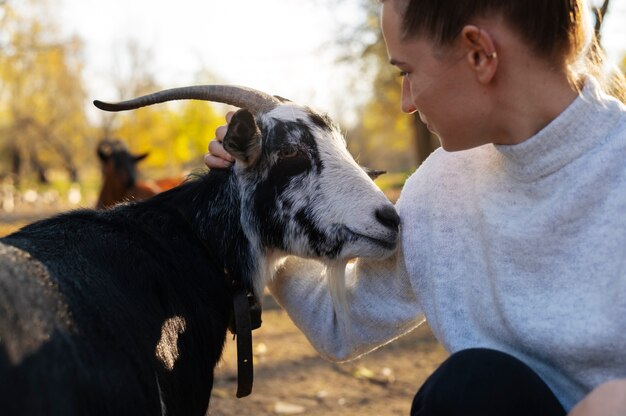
(125, 311)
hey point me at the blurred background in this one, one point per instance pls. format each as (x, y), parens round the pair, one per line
(56, 56)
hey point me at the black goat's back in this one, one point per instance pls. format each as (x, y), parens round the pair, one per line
(84, 298)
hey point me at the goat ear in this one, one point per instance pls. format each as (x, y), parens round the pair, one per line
(139, 158)
(373, 173)
(243, 137)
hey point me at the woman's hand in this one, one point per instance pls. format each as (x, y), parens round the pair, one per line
(608, 399)
(217, 157)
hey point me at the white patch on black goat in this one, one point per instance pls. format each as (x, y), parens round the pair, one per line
(163, 406)
(167, 348)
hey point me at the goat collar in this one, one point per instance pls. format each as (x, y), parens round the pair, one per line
(245, 318)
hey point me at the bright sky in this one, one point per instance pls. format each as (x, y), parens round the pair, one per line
(281, 46)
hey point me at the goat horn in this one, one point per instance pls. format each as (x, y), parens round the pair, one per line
(242, 97)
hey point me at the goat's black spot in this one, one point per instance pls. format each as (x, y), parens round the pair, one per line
(286, 204)
(266, 197)
(319, 243)
(308, 226)
(283, 133)
(321, 121)
(271, 224)
(270, 191)
(269, 200)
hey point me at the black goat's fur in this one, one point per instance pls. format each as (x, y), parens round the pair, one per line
(113, 278)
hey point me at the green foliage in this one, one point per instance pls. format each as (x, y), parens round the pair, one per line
(385, 138)
(42, 119)
(392, 181)
(385, 132)
(43, 124)
(175, 135)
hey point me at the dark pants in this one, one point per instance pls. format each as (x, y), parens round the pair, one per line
(483, 382)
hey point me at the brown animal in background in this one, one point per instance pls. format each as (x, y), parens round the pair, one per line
(120, 181)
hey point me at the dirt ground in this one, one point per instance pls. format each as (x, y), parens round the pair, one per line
(291, 378)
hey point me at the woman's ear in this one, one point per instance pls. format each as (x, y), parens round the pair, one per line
(481, 52)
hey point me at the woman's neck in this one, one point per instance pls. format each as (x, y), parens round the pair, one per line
(529, 98)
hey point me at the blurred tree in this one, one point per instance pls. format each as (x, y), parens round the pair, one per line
(385, 137)
(598, 13)
(175, 134)
(42, 119)
(612, 76)
(131, 76)
(194, 124)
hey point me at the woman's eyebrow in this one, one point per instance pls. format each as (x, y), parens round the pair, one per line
(395, 62)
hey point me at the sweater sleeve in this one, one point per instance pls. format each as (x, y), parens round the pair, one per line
(382, 304)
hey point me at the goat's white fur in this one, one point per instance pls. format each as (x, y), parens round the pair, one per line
(341, 187)
(336, 273)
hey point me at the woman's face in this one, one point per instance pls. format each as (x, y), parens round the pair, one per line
(439, 84)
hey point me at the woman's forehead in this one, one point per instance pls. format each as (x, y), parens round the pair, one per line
(391, 21)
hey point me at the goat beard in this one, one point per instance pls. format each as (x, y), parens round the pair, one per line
(336, 275)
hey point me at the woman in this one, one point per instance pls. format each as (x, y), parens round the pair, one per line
(513, 234)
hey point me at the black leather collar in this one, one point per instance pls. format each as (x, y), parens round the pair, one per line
(245, 318)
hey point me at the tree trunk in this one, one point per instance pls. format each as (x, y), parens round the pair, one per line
(425, 141)
(598, 14)
(16, 164)
(40, 170)
(73, 173)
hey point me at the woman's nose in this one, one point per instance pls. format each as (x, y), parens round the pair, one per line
(407, 98)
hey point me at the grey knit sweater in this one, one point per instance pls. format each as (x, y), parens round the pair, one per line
(517, 248)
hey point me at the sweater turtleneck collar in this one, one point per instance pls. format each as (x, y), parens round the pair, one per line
(571, 134)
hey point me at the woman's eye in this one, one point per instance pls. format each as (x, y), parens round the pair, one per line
(403, 74)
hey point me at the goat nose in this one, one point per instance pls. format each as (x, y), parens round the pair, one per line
(388, 217)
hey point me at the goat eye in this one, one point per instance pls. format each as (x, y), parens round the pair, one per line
(288, 152)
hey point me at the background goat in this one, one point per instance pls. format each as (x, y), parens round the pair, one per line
(120, 180)
(124, 311)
